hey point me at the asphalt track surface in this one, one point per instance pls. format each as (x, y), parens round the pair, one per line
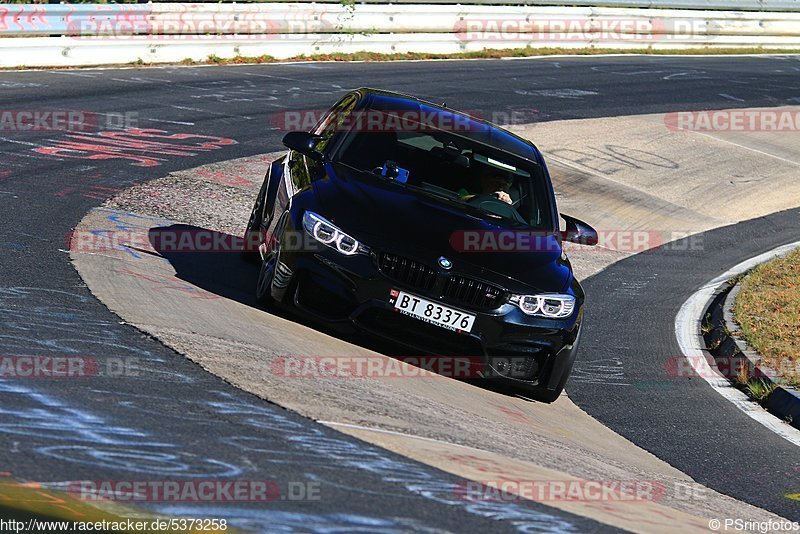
(681, 419)
(175, 421)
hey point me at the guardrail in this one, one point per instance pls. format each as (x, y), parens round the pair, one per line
(729, 5)
(86, 34)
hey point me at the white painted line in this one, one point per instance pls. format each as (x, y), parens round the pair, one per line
(70, 73)
(7, 140)
(731, 97)
(745, 147)
(172, 122)
(776, 54)
(557, 93)
(687, 330)
(588, 170)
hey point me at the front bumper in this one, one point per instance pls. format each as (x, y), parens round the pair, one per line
(353, 291)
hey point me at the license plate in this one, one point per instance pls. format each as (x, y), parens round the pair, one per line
(431, 312)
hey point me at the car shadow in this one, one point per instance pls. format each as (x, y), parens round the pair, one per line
(219, 268)
(208, 259)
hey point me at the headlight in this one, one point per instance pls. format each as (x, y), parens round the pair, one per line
(550, 305)
(326, 233)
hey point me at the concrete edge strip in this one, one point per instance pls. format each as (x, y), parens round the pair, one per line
(629, 516)
(687, 331)
(172, 65)
(784, 401)
(397, 434)
(622, 515)
(334, 424)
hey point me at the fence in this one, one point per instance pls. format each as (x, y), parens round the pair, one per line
(87, 34)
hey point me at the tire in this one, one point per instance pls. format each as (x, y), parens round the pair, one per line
(267, 272)
(541, 393)
(264, 284)
(253, 226)
(255, 223)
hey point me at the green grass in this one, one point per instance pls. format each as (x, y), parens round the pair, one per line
(481, 54)
(768, 311)
(759, 389)
(485, 54)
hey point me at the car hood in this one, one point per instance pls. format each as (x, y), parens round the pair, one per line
(390, 217)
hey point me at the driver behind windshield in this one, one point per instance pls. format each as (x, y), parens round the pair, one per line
(492, 182)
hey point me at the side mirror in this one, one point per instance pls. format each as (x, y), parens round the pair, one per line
(304, 143)
(579, 232)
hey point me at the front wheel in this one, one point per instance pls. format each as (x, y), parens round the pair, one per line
(560, 373)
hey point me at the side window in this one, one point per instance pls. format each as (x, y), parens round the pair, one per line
(304, 169)
(332, 123)
(299, 171)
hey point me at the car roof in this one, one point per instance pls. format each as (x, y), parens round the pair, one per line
(469, 126)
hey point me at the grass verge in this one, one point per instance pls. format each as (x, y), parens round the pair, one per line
(768, 311)
(487, 53)
(66, 511)
(484, 54)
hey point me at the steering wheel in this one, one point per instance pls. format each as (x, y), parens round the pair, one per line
(492, 204)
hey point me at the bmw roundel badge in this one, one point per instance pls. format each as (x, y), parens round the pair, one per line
(444, 263)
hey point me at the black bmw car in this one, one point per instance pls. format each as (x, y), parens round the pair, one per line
(426, 226)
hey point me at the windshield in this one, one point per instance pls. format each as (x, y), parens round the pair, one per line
(453, 168)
